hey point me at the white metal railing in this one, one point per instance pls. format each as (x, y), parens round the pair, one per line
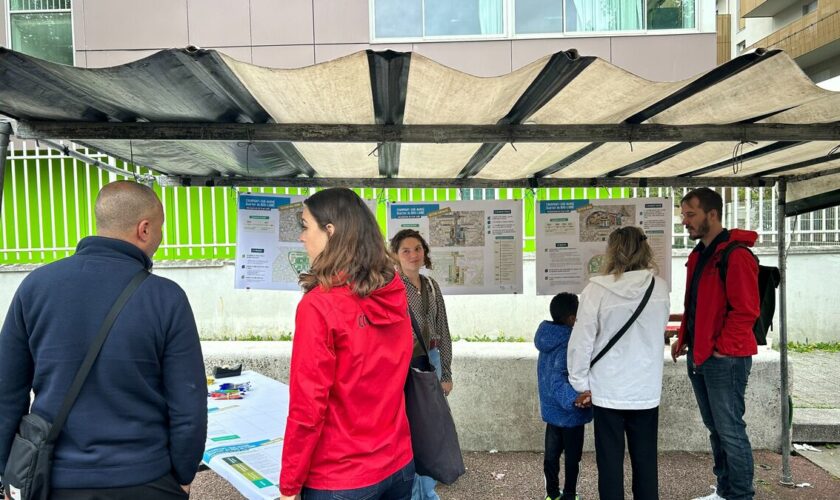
(49, 199)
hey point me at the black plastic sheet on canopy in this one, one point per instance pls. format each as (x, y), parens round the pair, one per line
(202, 118)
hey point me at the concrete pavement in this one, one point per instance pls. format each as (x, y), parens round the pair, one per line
(816, 397)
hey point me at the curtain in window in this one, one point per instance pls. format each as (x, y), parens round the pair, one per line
(491, 16)
(687, 14)
(608, 15)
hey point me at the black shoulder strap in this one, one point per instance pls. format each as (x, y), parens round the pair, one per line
(416, 328)
(93, 353)
(723, 263)
(626, 326)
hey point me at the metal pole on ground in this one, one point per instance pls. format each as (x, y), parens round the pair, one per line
(783, 344)
(5, 132)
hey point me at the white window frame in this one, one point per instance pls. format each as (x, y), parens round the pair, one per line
(40, 11)
(509, 23)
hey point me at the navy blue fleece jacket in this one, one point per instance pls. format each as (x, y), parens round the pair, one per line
(557, 396)
(142, 412)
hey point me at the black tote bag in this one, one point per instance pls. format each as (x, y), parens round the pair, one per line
(437, 453)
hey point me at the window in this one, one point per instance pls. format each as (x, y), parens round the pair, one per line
(42, 28)
(421, 19)
(670, 14)
(603, 15)
(809, 7)
(742, 46)
(539, 16)
(436, 18)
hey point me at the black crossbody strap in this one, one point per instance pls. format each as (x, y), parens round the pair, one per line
(627, 325)
(416, 328)
(93, 353)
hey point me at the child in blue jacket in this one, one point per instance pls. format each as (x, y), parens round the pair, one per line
(564, 421)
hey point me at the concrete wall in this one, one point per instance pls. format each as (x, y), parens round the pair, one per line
(222, 311)
(296, 33)
(496, 405)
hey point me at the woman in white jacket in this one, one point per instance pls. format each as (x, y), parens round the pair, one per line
(625, 384)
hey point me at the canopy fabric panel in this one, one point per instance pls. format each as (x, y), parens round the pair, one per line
(224, 105)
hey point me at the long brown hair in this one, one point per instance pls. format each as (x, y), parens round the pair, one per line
(628, 250)
(355, 254)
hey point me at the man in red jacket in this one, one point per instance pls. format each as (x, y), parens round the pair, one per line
(717, 334)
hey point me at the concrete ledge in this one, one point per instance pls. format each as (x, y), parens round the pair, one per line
(496, 405)
(816, 425)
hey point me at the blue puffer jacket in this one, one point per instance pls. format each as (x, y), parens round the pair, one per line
(557, 396)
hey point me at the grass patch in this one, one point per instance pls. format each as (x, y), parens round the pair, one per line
(815, 347)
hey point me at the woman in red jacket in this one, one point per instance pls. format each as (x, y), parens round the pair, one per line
(347, 434)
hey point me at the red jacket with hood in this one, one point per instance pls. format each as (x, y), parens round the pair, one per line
(347, 426)
(727, 330)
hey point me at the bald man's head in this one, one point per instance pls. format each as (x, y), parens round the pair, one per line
(131, 212)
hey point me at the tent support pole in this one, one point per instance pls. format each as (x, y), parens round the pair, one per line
(5, 132)
(783, 343)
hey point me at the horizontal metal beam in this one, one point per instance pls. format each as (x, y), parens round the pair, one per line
(382, 182)
(437, 134)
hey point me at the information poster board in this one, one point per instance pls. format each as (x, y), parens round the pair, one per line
(268, 253)
(245, 436)
(476, 246)
(571, 238)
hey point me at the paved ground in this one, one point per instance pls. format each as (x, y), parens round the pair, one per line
(682, 475)
(518, 476)
(816, 380)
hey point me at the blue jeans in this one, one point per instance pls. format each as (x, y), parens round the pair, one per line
(719, 385)
(397, 486)
(424, 486)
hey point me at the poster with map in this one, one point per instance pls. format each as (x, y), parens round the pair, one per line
(268, 253)
(476, 246)
(571, 238)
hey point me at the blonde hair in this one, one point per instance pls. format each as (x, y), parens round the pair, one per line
(628, 250)
(355, 254)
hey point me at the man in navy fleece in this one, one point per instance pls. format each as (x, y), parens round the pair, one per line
(137, 429)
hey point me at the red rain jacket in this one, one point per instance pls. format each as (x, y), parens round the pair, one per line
(729, 332)
(347, 426)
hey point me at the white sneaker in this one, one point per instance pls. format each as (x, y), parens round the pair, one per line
(713, 496)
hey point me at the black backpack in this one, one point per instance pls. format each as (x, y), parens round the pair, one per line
(768, 281)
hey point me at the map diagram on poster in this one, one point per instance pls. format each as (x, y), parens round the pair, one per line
(268, 253)
(476, 246)
(571, 238)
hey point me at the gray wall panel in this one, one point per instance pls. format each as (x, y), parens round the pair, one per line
(341, 21)
(528, 51)
(219, 23)
(284, 56)
(129, 24)
(281, 23)
(491, 58)
(665, 57)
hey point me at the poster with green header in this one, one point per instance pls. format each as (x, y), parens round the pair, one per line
(571, 238)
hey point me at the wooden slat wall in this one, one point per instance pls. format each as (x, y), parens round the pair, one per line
(724, 38)
(808, 33)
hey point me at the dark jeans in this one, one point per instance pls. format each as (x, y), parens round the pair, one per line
(397, 486)
(719, 385)
(641, 428)
(164, 488)
(557, 441)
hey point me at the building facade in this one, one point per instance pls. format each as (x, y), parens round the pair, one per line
(808, 30)
(657, 39)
